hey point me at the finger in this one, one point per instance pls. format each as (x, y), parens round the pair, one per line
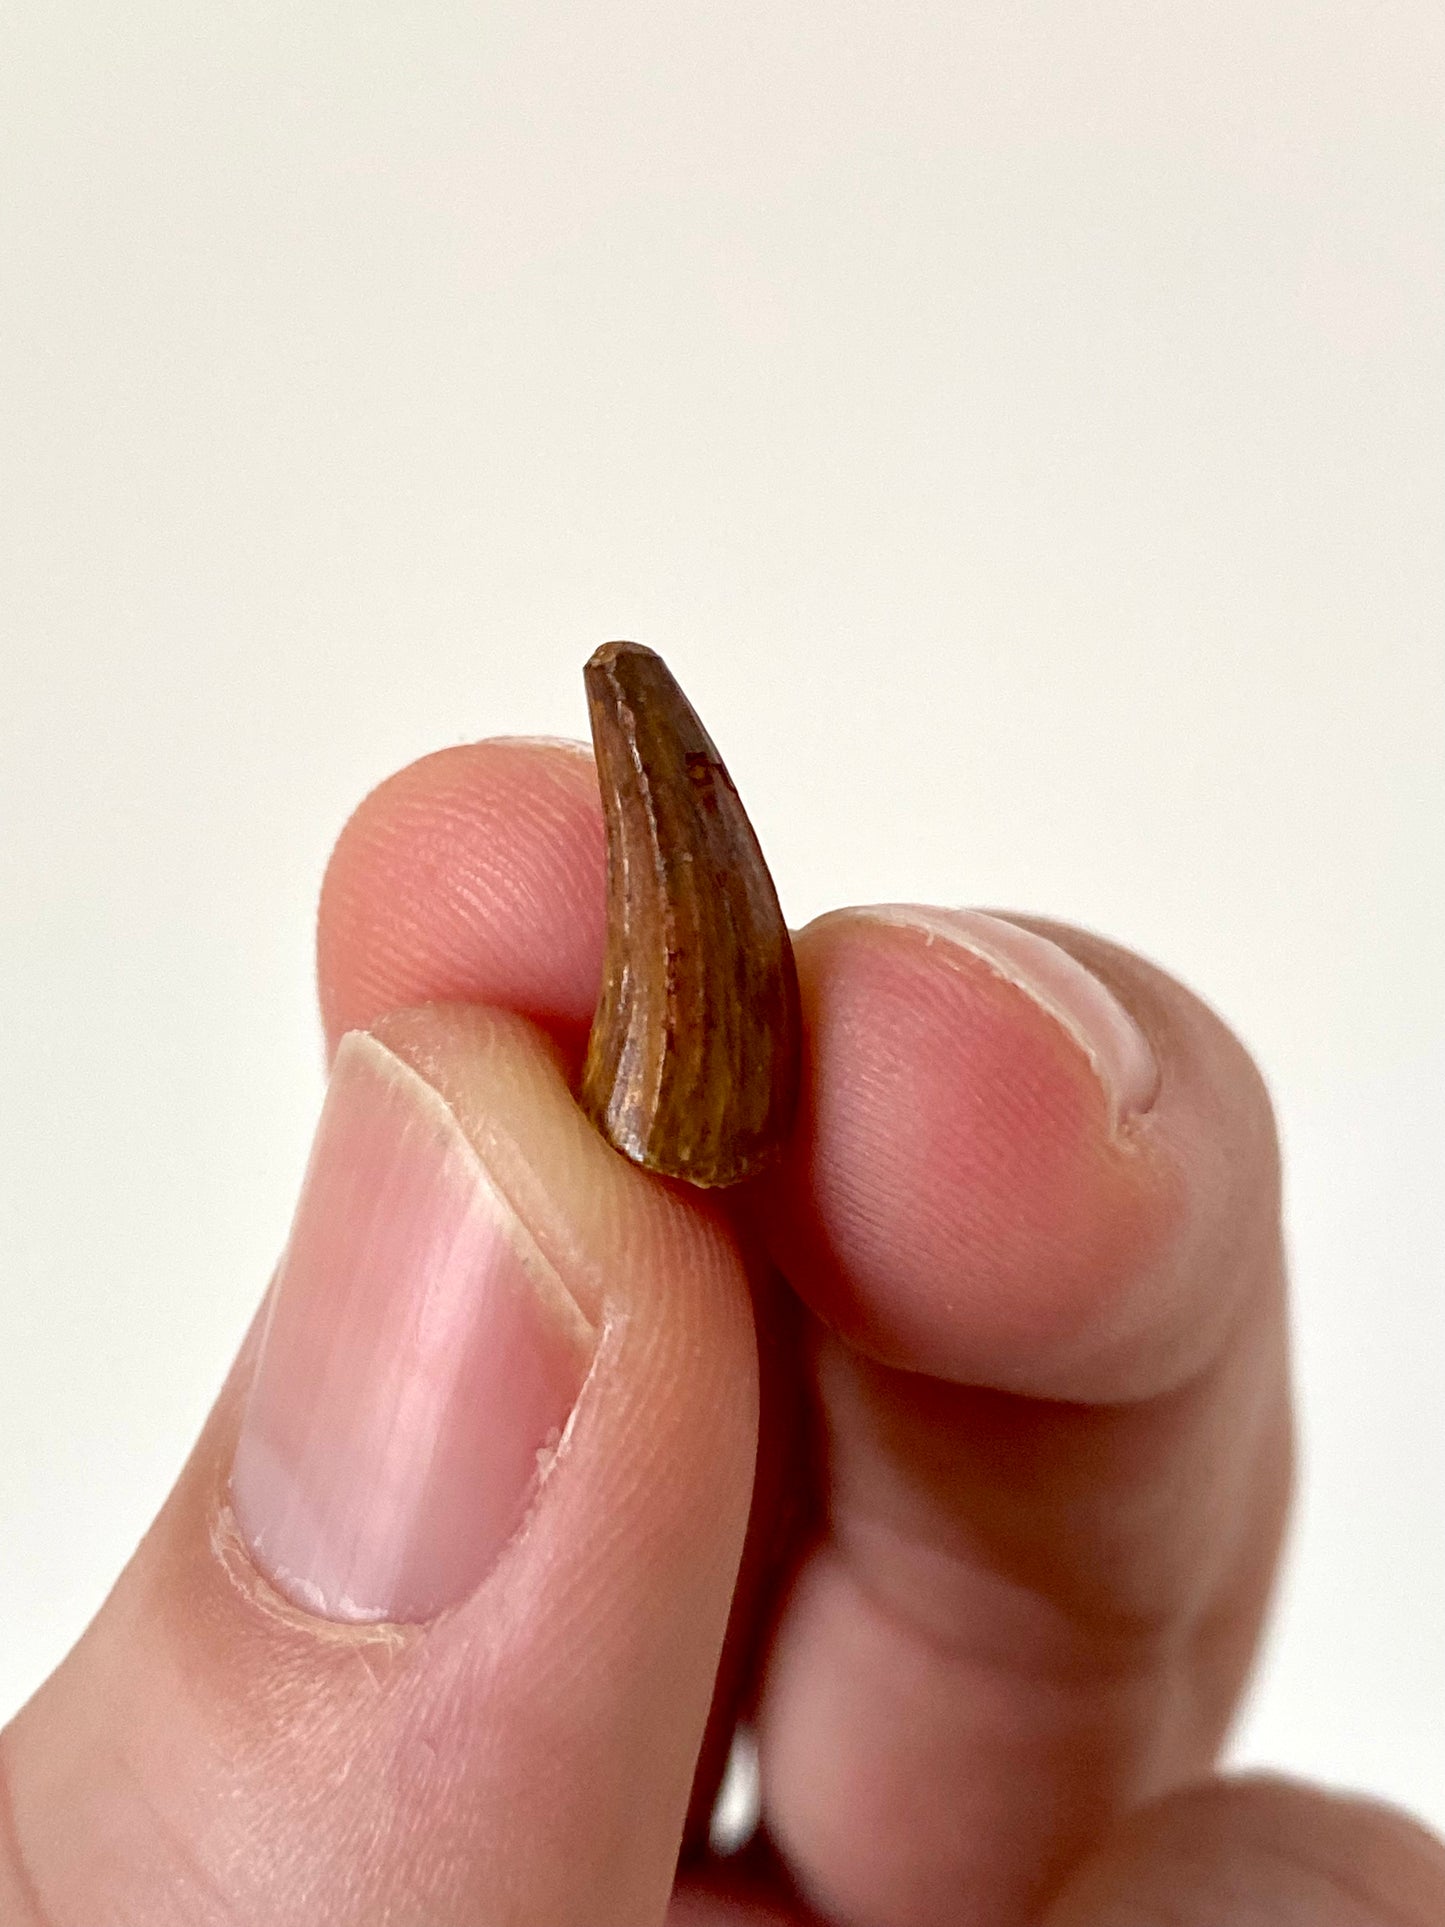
(1033, 1205)
(478, 873)
(427, 1630)
(1261, 1851)
(1036, 1115)
(475, 874)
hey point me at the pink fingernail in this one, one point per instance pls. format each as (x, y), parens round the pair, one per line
(419, 1363)
(1074, 997)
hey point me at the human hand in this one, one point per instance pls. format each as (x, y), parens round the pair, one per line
(365, 1669)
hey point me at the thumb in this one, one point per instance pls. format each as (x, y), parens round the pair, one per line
(427, 1631)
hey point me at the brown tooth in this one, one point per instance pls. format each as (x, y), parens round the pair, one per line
(693, 1061)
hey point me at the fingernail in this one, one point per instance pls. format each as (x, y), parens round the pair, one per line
(1058, 983)
(419, 1363)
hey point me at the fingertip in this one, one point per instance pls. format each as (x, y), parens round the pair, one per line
(474, 874)
(1079, 1002)
(1008, 1157)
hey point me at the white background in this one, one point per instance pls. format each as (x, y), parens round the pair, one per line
(1020, 425)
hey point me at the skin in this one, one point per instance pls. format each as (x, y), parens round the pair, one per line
(1046, 1372)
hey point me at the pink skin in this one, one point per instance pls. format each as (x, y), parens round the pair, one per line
(1044, 1321)
(1117, 1050)
(418, 1364)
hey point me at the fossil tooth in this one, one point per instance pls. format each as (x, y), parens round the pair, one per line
(693, 1061)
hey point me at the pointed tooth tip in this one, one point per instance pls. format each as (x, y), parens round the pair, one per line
(612, 652)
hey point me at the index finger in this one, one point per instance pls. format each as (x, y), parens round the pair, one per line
(475, 874)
